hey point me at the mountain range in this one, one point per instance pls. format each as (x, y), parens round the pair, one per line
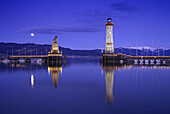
(39, 49)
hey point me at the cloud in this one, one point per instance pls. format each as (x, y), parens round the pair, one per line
(117, 6)
(124, 7)
(95, 16)
(115, 10)
(60, 30)
(94, 13)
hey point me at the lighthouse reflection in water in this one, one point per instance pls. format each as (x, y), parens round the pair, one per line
(109, 80)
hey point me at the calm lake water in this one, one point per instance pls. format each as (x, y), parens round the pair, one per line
(84, 86)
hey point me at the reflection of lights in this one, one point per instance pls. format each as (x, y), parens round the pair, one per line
(18, 65)
(54, 71)
(61, 71)
(48, 70)
(102, 71)
(32, 80)
(154, 66)
(12, 65)
(109, 75)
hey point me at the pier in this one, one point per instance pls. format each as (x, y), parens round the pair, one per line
(53, 57)
(127, 59)
(109, 57)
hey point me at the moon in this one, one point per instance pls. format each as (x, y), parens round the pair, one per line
(32, 34)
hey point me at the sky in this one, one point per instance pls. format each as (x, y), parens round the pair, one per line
(80, 24)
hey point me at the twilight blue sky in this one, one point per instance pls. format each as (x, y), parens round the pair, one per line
(80, 24)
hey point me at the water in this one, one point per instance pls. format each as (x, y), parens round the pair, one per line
(84, 86)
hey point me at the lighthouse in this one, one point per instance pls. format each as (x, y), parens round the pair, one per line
(109, 36)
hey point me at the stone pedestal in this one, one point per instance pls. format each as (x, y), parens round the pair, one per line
(55, 58)
(111, 58)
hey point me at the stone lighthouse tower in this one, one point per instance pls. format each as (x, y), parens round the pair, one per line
(109, 36)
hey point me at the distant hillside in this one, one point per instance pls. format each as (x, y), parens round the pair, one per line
(30, 48)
